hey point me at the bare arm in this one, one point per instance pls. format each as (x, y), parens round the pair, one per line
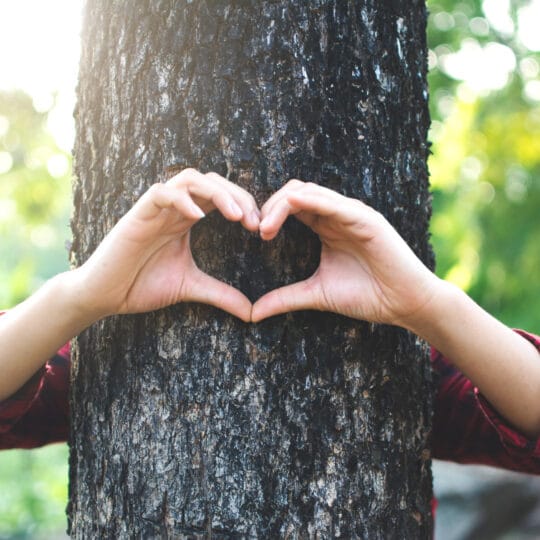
(504, 365)
(368, 272)
(34, 330)
(143, 264)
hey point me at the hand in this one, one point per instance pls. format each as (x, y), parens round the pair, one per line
(145, 262)
(366, 270)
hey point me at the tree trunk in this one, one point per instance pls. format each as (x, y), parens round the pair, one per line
(187, 423)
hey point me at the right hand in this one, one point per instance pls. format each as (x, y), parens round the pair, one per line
(366, 271)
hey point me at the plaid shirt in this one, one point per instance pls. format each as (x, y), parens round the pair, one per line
(37, 413)
(465, 428)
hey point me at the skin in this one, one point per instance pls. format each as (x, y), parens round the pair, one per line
(366, 272)
(144, 263)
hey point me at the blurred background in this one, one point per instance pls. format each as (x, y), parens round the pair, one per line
(485, 170)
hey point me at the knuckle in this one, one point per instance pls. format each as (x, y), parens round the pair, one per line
(294, 182)
(156, 188)
(213, 176)
(186, 175)
(246, 196)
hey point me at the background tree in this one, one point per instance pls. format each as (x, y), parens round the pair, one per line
(484, 100)
(35, 195)
(34, 199)
(485, 97)
(186, 422)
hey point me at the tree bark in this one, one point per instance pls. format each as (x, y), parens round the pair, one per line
(187, 423)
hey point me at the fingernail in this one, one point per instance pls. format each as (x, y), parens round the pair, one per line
(197, 211)
(235, 209)
(255, 216)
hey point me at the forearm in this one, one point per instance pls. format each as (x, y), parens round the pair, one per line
(34, 330)
(502, 364)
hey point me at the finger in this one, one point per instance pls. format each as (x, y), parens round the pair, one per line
(291, 185)
(222, 199)
(211, 194)
(277, 209)
(301, 295)
(318, 200)
(185, 177)
(209, 290)
(231, 200)
(161, 196)
(272, 223)
(244, 199)
(350, 213)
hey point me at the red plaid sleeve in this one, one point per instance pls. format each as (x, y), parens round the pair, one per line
(467, 429)
(37, 413)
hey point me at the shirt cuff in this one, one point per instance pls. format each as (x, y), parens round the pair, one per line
(513, 440)
(17, 405)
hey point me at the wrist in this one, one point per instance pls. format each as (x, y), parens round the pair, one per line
(432, 318)
(71, 292)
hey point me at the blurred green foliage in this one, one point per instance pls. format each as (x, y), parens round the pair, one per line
(33, 492)
(35, 207)
(34, 200)
(486, 155)
(485, 180)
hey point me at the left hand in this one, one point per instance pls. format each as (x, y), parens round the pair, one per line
(366, 270)
(145, 262)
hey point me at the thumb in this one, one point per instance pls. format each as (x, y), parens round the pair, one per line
(295, 297)
(208, 290)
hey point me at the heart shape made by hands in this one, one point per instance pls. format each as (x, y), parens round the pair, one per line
(365, 271)
(251, 265)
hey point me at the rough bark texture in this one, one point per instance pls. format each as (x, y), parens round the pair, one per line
(187, 423)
